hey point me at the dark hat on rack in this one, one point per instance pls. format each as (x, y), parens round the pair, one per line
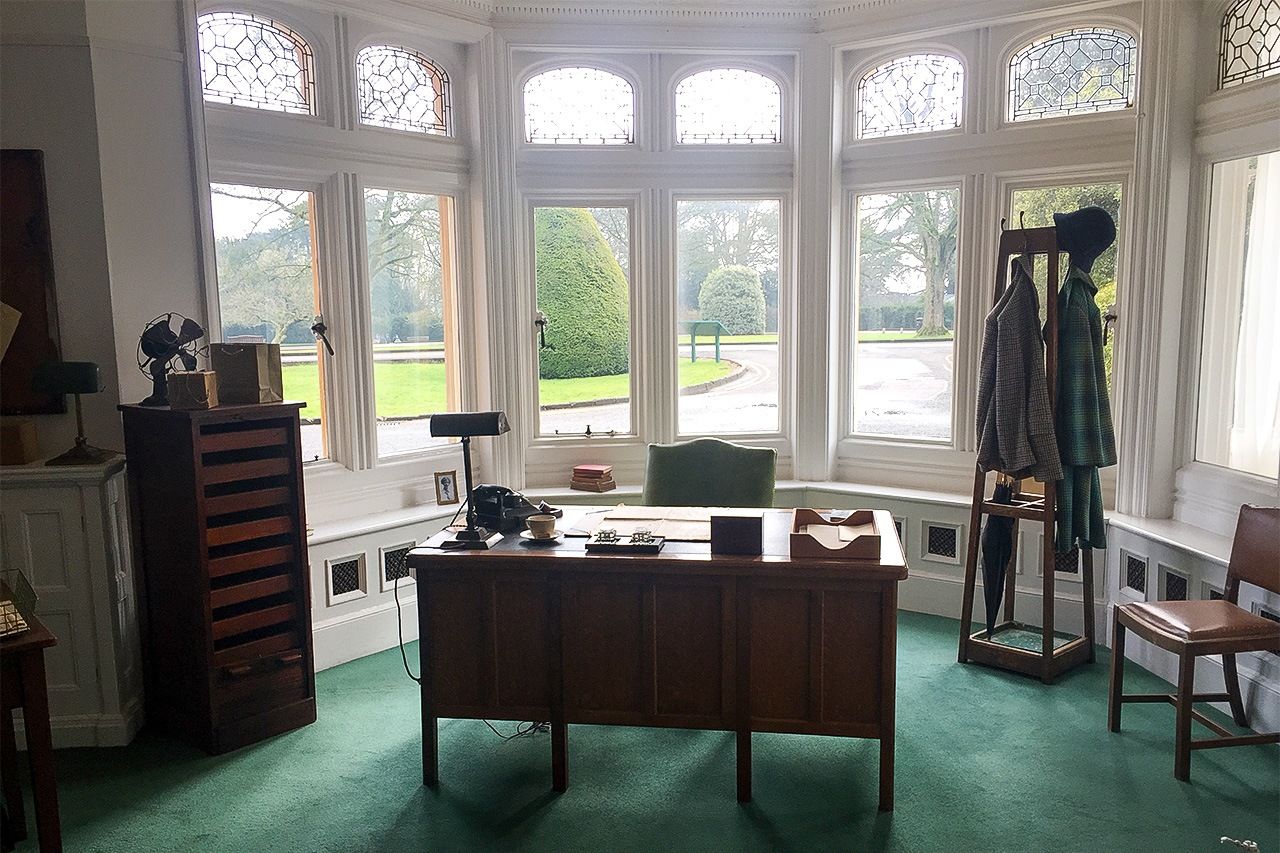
(1088, 226)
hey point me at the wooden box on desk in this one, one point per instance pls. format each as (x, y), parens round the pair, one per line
(220, 534)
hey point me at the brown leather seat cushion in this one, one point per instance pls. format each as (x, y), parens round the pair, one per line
(1204, 620)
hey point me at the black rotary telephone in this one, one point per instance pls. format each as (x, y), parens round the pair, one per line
(502, 509)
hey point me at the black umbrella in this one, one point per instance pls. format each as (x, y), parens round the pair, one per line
(997, 545)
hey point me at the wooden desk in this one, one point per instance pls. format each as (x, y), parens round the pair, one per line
(22, 685)
(681, 638)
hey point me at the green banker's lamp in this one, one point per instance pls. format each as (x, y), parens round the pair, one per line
(73, 377)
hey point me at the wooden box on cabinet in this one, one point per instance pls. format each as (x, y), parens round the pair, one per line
(217, 508)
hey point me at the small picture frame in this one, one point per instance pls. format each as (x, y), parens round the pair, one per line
(447, 487)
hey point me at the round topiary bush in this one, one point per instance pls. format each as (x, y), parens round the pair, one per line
(734, 296)
(583, 292)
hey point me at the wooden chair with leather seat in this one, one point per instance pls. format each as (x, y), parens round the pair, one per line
(709, 472)
(1190, 629)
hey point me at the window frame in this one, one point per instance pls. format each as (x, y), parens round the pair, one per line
(321, 252)
(631, 202)
(447, 78)
(322, 61)
(782, 436)
(1028, 40)
(785, 109)
(853, 87)
(334, 154)
(587, 61)
(364, 306)
(861, 443)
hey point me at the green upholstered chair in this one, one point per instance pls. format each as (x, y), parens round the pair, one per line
(709, 472)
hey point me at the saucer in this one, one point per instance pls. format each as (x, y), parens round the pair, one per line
(528, 537)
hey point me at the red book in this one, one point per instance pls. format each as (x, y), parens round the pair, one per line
(589, 472)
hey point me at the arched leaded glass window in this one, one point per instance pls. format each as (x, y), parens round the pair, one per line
(728, 106)
(402, 89)
(578, 106)
(1085, 70)
(252, 61)
(920, 93)
(1250, 42)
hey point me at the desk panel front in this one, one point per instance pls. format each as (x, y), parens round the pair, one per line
(681, 638)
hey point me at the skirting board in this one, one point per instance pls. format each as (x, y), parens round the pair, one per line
(365, 632)
(78, 730)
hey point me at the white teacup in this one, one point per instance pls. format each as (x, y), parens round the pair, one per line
(542, 526)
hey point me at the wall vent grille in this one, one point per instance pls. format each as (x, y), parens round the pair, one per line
(1212, 593)
(395, 564)
(346, 579)
(1135, 572)
(1067, 563)
(941, 542)
(1175, 586)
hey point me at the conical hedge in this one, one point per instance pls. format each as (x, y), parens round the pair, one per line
(583, 292)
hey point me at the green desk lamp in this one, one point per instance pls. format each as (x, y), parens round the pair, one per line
(73, 377)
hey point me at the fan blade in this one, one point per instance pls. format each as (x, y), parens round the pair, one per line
(190, 331)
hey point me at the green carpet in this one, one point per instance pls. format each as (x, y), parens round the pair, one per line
(987, 761)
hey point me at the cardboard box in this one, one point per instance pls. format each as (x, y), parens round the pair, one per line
(247, 373)
(18, 444)
(195, 389)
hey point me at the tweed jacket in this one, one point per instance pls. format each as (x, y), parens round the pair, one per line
(1015, 423)
(1086, 440)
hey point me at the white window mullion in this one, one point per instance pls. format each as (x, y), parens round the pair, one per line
(358, 433)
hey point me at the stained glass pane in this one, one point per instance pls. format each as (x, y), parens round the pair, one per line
(578, 106)
(920, 93)
(1250, 41)
(728, 106)
(253, 61)
(402, 89)
(1087, 70)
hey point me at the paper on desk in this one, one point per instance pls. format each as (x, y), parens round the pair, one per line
(674, 523)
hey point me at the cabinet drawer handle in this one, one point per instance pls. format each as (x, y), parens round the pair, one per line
(285, 660)
(239, 670)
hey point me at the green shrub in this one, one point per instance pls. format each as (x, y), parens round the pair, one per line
(734, 296)
(583, 292)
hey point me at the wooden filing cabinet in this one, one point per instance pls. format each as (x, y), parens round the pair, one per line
(218, 520)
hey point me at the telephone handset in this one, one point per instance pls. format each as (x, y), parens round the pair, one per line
(500, 508)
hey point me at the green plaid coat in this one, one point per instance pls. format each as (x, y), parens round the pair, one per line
(1086, 440)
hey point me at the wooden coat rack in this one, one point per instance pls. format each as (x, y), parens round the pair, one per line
(1057, 652)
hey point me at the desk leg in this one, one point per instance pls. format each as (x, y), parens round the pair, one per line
(9, 776)
(886, 772)
(744, 766)
(35, 716)
(430, 724)
(559, 757)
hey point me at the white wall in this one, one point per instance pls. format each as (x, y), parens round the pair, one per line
(48, 104)
(148, 186)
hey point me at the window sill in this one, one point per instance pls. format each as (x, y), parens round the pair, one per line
(377, 522)
(1193, 540)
